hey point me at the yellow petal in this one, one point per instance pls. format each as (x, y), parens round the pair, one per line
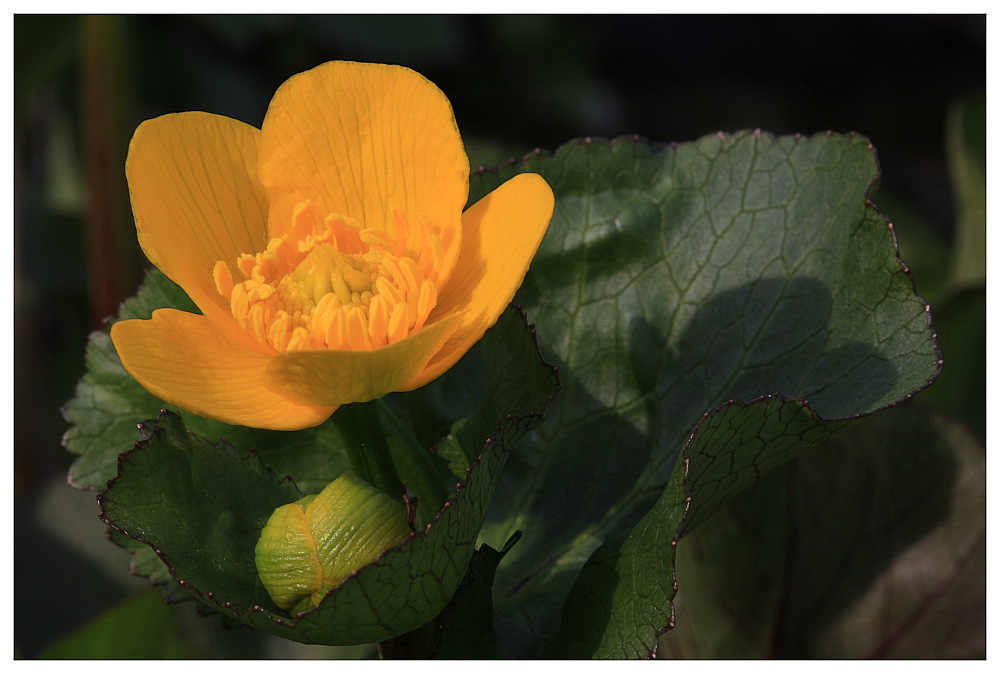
(196, 200)
(363, 139)
(501, 233)
(334, 378)
(185, 360)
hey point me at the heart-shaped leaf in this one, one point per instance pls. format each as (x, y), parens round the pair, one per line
(673, 280)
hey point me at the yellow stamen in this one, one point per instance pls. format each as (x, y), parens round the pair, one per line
(337, 286)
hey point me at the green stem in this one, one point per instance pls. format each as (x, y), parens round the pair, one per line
(423, 473)
(367, 447)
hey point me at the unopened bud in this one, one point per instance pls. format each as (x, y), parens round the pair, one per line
(310, 546)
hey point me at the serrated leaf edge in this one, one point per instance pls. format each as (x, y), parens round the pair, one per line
(150, 429)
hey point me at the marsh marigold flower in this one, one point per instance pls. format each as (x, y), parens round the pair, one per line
(327, 251)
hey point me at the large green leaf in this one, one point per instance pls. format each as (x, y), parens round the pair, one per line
(622, 601)
(673, 280)
(871, 544)
(201, 506)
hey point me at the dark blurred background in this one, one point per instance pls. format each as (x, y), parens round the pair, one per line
(82, 84)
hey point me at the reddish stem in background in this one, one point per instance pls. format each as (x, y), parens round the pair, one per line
(112, 264)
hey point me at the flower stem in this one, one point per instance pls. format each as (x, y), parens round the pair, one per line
(367, 447)
(424, 474)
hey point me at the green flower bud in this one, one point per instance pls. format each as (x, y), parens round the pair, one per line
(310, 546)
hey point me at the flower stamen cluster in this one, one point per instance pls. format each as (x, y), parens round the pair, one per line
(342, 288)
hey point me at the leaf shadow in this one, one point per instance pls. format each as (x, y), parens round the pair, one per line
(791, 565)
(872, 494)
(769, 336)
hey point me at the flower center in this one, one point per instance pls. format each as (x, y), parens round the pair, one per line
(340, 288)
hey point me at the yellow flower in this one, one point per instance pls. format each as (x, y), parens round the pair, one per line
(327, 251)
